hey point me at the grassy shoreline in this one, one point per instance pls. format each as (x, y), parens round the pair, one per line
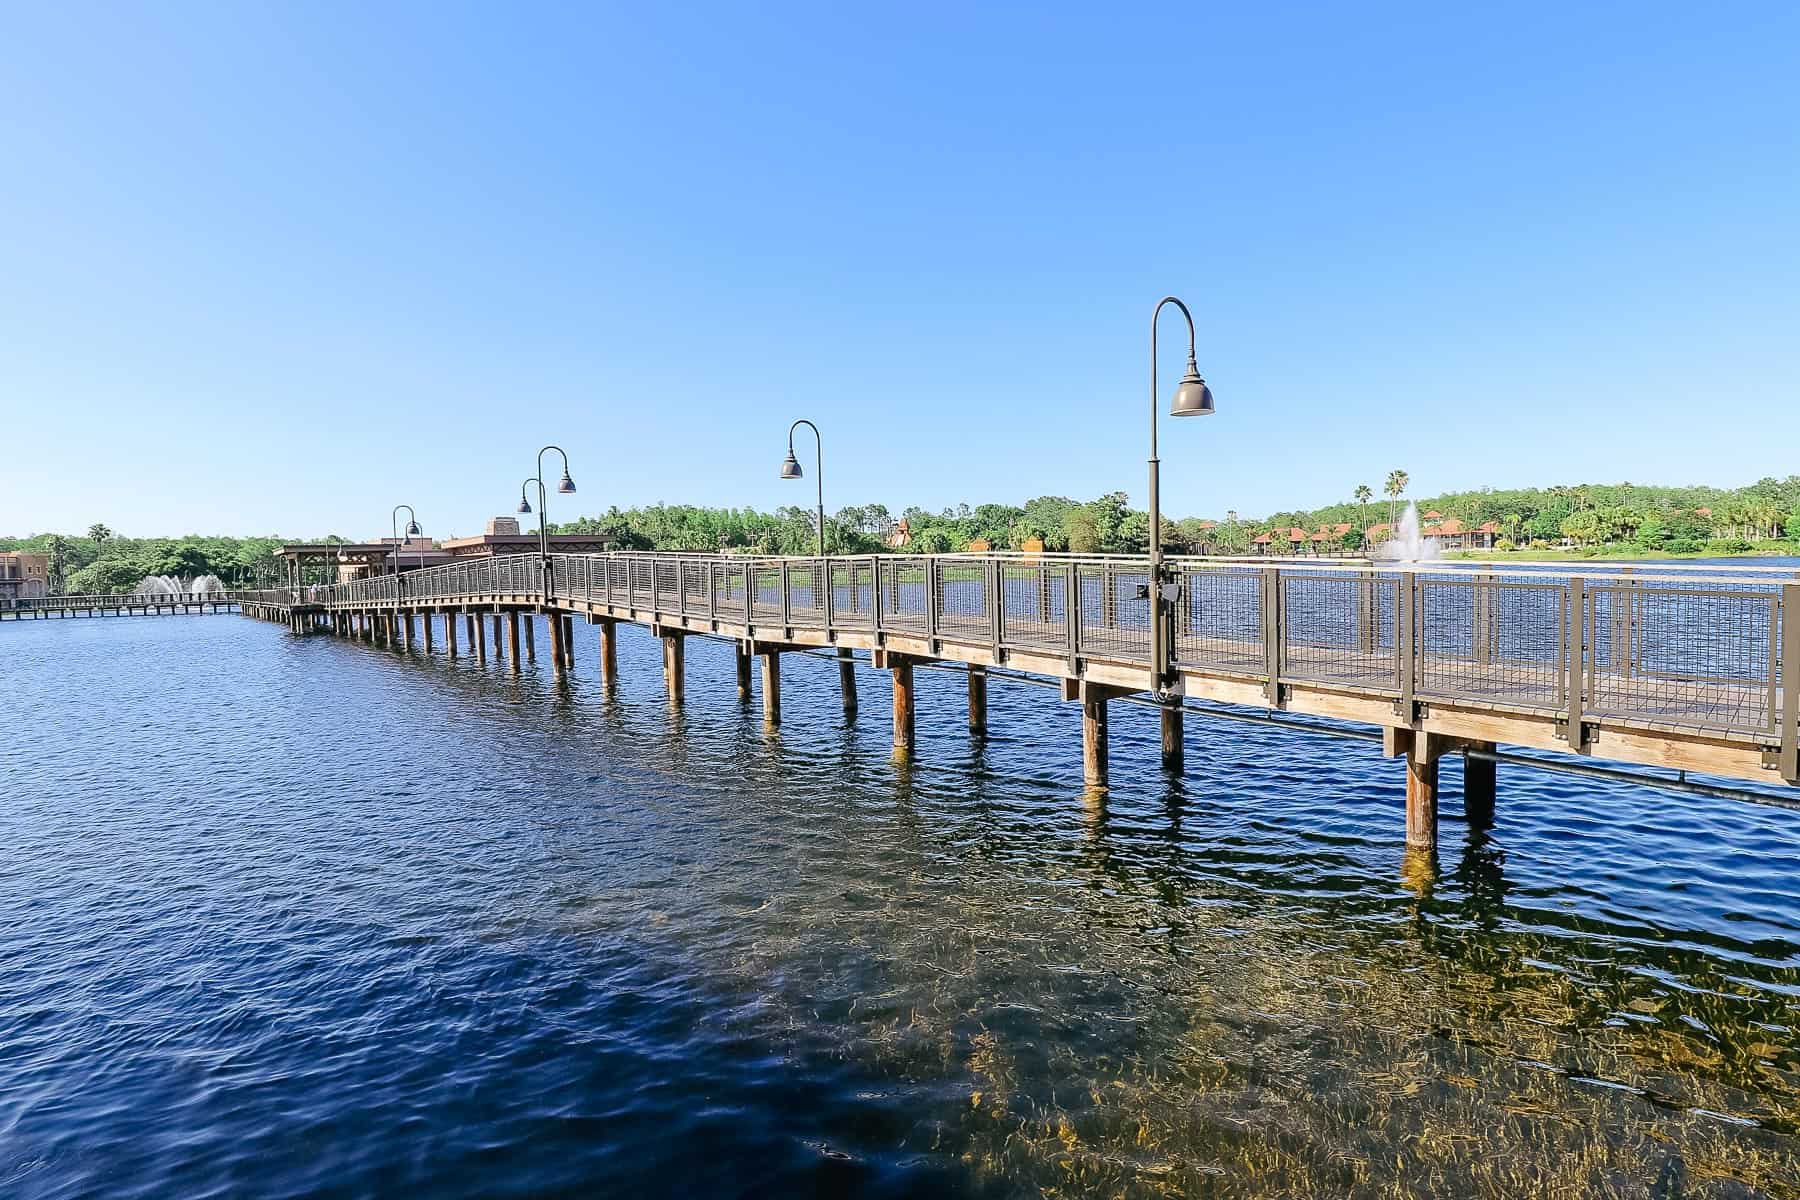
(1765, 549)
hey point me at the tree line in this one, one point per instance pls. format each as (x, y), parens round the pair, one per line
(1629, 517)
(98, 561)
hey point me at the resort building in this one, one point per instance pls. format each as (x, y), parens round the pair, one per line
(23, 576)
(350, 561)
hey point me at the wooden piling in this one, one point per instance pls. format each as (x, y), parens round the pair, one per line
(902, 669)
(498, 623)
(471, 622)
(556, 635)
(530, 623)
(1172, 743)
(674, 667)
(1480, 783)
(609, 653)
(742, 653)
(425, 627)
(1093, 733)
(1422, 790)
(478, 633)
(847, 679)
(771, 688)
(978, 701)
(406, 629)
(450, 632)
(512, 637)
(568, 640)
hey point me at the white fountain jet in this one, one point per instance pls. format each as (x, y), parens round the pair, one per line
(1408, 545)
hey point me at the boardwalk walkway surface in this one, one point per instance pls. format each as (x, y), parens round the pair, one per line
(1668, 667)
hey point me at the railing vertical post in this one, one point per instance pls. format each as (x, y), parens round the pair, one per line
(996, 598)
(1072, 613)
(1409, 649)
(1576, 733)
(1790, 682)
(1621, 623)
(931, 600)
(822, 578)
(787, 601)
(1271, 632)
(875, 600)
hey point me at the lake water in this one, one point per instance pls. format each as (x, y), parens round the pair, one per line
(302, 917)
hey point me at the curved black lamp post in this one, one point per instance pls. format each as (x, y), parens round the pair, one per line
(412, 530)
(790, 469)
(566, 486)
(1192, 399)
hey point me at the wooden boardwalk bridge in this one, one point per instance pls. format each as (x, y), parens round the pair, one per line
(109, 604)
(1682, 668)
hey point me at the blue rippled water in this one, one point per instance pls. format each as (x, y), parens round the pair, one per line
(302, 917)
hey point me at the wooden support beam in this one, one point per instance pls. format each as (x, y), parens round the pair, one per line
(425, 627)
(530, 623)
(1173, 749)
(902, 668)
(406, 629)
(512, 637)
(609, 653)
(1093, 733)
(742, 654)
(1480, 783)
(771, 673)
(478, 633)
(450, 632)
(568, 640)
(847, 678)
(675, 666)
(471, 622)
(557, 659)
(978, 701)
(498, 622)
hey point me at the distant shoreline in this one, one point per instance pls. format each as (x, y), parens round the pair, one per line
(1628, 552)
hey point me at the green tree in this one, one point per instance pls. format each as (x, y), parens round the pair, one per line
(98, 534)
(934, 539)
(1081, 533)
(1364, 493)
(58, 548)
(186, 561)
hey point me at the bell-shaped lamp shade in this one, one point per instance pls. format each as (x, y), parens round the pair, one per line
(524, 505)
(1192, 397)
(412, 529)
(791, 468)
(566, 485)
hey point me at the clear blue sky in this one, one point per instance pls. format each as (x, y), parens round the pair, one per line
(269, 269)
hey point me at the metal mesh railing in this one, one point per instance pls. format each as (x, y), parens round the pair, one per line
(1482, 640)
(1723, 676)
(1636, 648)
(1339, 629)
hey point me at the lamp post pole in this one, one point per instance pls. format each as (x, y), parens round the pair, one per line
(412, 530)
(566, 486)
(791, 470)
(1192, 398)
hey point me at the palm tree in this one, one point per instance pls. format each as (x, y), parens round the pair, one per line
(1364, 493)
(1396, 488)
(98, 533)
